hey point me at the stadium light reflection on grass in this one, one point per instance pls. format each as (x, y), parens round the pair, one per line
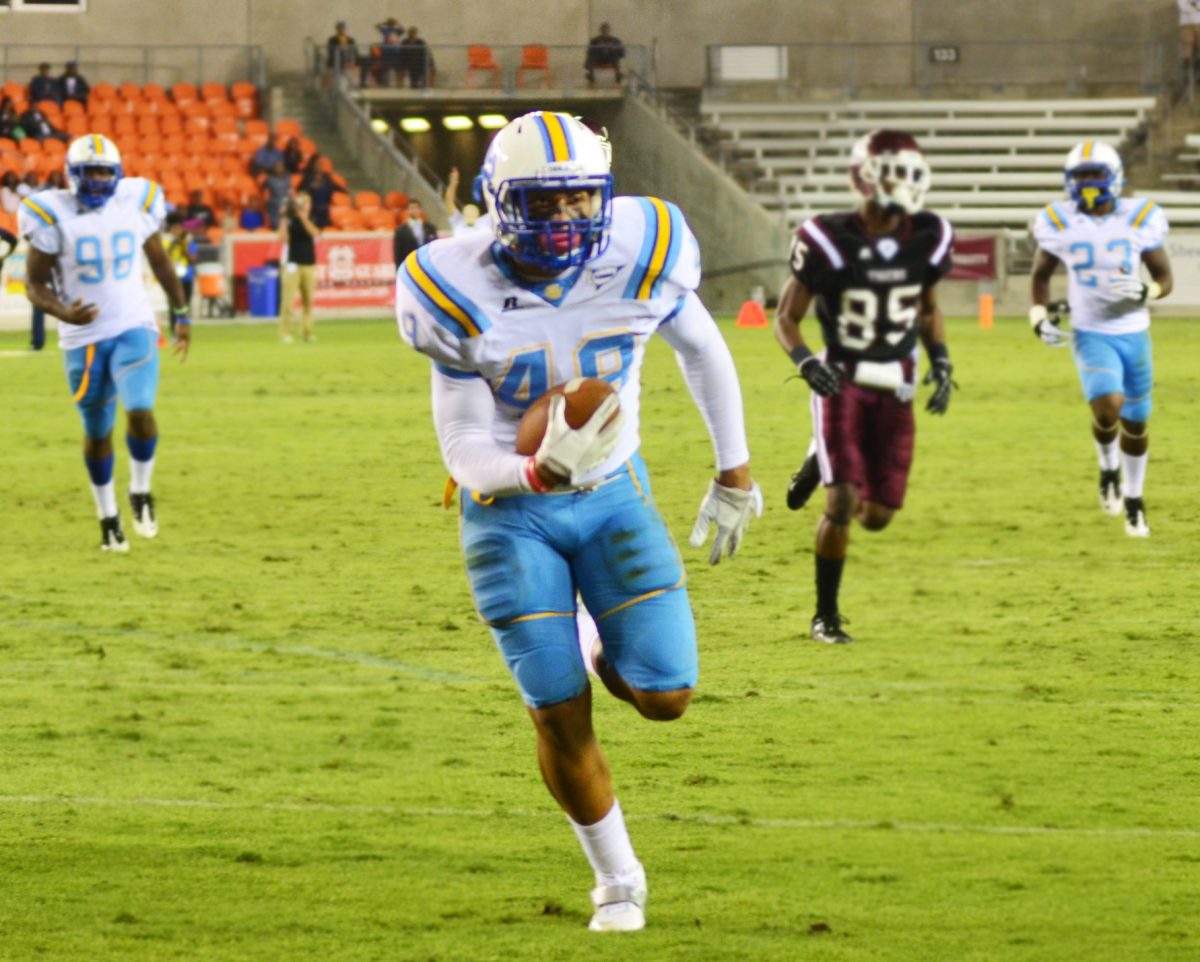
(492, 121)
(457, 122)
(379, 125)
(414, 125)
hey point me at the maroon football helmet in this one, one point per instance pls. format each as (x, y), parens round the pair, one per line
(887, 166)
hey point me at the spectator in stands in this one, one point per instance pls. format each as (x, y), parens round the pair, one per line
(251, 217)
(342, 51)
(181, 249)
(44, 87)
(265, 158)
(10, 198)
(604, 50)
(73, 85)
(56, 181)
(278, 188)
(413, 233)
(416, 59)
(300, 271)
(390, 30)
(461, 221)
(198, 214)
(35, 125)
(293, 156)
(30, 184)
(1189, 35)
(10, 123)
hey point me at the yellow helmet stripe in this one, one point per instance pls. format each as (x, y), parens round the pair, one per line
(97, 144)
(1087, 150)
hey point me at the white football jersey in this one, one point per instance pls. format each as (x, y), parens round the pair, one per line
(99, 253)
(462, 308)
(1093, 248)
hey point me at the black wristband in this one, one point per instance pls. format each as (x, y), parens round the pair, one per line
(799, 354)
(938, 352)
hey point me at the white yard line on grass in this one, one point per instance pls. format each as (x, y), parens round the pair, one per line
(818, 824)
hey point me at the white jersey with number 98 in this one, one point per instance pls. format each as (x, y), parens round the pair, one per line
(99, 252)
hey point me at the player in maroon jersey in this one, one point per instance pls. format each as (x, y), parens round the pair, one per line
(872, 273)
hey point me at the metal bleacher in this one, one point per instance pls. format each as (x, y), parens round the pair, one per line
(995, 162)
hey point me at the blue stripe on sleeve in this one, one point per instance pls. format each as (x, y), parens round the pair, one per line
(451, 372)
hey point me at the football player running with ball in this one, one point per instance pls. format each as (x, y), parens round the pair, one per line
(571, 282)
(1104, 239)
(85, 267)
(873, 273)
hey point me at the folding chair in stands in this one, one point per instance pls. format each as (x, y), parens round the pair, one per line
(480, 60)
(535, 56)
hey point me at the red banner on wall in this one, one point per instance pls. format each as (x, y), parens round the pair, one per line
(974, 259)
(353, 270)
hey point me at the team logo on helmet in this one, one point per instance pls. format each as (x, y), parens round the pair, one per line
(887, 167)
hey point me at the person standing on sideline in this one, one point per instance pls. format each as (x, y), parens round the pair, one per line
(1189, 37)
(300, 267)
(873, 274)
(181, 248)
(86, 246)
(415, 232)
(1104, 239)
(572, 282)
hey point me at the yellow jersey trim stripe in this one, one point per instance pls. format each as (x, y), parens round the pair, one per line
(640, 598)
(1145, 212)
(87, 374)
(536, 617)
(429, 287)
(662, 243)
(1052, 214)
(151, 193)
(47, 217)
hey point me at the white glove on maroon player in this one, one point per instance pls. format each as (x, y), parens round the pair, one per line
(569, 452)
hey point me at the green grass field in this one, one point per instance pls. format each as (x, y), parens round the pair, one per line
(279, 733)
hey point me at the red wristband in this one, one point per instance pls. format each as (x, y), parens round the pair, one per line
(535, 480)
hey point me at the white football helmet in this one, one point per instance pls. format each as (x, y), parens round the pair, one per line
(87, 153)
(1093, 174)
(887, 166)
(539, 153)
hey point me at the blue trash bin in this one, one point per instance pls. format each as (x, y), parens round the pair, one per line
(262, 291)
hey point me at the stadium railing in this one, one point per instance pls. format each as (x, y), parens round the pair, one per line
(164, 64)
(446, 66)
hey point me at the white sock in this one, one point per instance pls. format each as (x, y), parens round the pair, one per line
(606, 845)
(105, 496)
(140, 473)
(1109, 454)
(1135, 473)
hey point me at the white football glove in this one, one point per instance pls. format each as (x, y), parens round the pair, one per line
(572, 452)
(1130, 287)
(1051, 334)
(730, 508)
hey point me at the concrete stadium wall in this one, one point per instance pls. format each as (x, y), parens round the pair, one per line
(679, 30)
(650, 157)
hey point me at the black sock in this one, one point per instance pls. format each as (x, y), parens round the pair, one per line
(829, 580)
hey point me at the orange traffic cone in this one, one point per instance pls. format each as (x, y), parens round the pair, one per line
(987, 307)
(752, 315)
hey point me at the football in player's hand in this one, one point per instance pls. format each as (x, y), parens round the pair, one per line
(583, 395)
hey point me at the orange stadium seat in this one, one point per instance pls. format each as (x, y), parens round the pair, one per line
(243, 88)
(197, 143)
(213, 91)
(103, 91)
(169, 125)
(339, 199)
(380, 219)
(29, 147)
(221, 108)
(51, 109)
(257, 131)
(14, 90)
(196, 125)
(73, 108)
(535, 56)
(480, 60)
(172, 144)
(346, 218)
(288, 128)
(100, 105)
(153, 91)
(125, 125)
(130, 91)
(396, 200)
(184, 93)
(147, 124)
(76, 126)
(367, 199)
(7, 145)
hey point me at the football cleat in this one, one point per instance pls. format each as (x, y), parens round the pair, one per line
(1110, 491)
(620, 907)
(1135, 518)
(828, 628)
(144, 522)
(112, 538)
(804, 482)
